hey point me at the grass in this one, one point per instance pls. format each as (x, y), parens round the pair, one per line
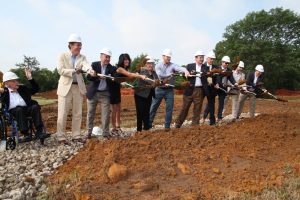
(43, 101)
(289, 191)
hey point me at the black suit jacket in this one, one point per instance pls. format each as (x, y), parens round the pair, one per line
(95, 81)
(210, 90)
(24, 91)
(229, 78)
(250, 79)
(255, 88)
(192, 68)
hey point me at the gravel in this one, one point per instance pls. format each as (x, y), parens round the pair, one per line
(23, 170)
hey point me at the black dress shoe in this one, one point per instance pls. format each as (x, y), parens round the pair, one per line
(26, 138)
(177, 126)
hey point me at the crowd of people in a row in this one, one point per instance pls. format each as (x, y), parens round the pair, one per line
(155, 83)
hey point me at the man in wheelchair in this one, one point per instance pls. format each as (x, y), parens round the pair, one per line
(16, 98)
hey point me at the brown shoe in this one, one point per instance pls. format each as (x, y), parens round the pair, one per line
(64, 142)
(167, 129)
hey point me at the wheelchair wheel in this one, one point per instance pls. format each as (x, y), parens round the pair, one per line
(10, 144)
(2, 129)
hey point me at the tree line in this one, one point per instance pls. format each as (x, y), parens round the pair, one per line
(270, 38)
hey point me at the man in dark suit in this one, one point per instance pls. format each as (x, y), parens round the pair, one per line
(222, 82)
(17, 100)
(195, 92)
(254, 83)
(99, 90)
(210, 90)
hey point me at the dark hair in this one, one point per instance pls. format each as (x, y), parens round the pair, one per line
(70, 44)
(122, 58)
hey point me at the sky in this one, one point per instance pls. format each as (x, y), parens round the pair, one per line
(40, 28)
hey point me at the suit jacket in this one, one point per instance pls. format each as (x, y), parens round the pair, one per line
(192, 67)
(250, 79)
(141, 83)
(249, 82)
(220, 81)
(65, 70)
(24, 92)
(210, 90)
(95, 81)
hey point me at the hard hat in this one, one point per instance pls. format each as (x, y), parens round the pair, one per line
(226, 59)
(148, 57)
(211, 54)
(96, 130)
(74, 38)
(259, 68)
(106, 51)
(150, 61)
(8, 76)
(241, 64)
(199, 53)
(167, 52)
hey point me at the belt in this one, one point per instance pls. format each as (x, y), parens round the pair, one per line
(102, 90)
(74, 83)
(198, 87)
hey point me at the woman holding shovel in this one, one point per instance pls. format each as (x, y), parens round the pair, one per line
(115, 98)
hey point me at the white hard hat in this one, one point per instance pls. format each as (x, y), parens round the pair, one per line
(106, 51)
(211, 54)
(150, 60)
(259, 68)
(8, 76)
(199, 53)
(96, 130)
(226, 59)
(148, 57)
(167, 52)
(241, 64)
(74, 38)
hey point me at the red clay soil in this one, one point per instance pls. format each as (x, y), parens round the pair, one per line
(284, 92)
(200, 162)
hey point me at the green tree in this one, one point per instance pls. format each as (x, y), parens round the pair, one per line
(28, 61)
(269, 38)
(47, 79)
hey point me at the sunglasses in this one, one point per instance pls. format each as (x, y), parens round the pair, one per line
(227, 63)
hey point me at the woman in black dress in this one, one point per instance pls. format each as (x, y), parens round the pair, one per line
(115, 99)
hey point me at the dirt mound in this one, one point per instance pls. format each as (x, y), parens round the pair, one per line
(284, 92)
(188, 163)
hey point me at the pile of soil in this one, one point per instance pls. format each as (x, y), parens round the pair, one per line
(188, 163)
(284, 92)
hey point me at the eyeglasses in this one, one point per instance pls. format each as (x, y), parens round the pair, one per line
(226, 63)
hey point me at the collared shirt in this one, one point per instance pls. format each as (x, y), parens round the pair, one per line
(102, 85)
(15, 99)
(198, 80)
(166, 70)
(73, 59)
(224, 78)
(255, 79)
(238, 76)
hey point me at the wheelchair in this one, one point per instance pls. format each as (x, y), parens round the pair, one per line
(9, 124)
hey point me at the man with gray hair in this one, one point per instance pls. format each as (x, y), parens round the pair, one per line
(99, 90)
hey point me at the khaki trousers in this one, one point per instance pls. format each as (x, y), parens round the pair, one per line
(252, 101)
(73, 99)
(196, 98)
(235, 105)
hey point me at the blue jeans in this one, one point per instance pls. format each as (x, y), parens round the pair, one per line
(160, 94)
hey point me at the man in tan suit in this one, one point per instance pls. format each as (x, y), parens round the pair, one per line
(71, 88)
